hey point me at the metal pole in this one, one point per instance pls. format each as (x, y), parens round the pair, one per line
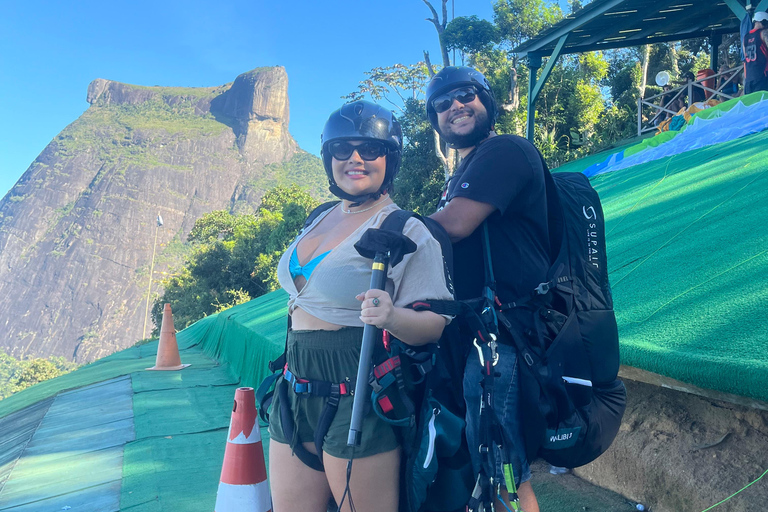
(534, 63)
(362, 386)
(690, 93)
(149, 287)
(639, 116)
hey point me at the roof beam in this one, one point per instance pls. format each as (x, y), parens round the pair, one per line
(628, 43)
(547, 69)
(630, 21)
(679, 34)
(736, 8)
(569, 27)
(613, 29)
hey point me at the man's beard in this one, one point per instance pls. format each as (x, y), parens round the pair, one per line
(480, 132)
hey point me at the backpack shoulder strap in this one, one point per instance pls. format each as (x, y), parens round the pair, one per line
(396, 220)
(314, 214)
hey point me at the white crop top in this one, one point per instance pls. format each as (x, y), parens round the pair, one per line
(330, 292)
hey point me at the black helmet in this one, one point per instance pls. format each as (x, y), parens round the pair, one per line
(363, 120)
(453, 77)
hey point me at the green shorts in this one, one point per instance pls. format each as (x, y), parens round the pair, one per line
(330, 356)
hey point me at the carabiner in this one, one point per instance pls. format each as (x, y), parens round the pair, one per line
(479, 352)
(494, 354)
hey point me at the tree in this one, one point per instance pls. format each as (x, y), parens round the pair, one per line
(440, 27)
(520, 20)
(470, 35)
(517, 21)
(17, 375)
(421, 177)
(234, 257)
(399, 80)
(447, 155)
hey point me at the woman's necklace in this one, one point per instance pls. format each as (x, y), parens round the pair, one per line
(364, 209)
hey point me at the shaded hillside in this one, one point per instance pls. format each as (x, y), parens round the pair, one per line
(77, 230)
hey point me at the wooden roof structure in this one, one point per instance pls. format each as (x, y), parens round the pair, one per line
(612, 24)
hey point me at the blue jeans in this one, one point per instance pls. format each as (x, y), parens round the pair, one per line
(507, 406)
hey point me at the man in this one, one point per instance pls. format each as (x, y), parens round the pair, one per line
(501, 181)
(756, 55)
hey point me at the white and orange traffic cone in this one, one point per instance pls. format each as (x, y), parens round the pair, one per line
(243, 485)
(168, 358)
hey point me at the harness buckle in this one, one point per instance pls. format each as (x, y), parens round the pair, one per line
(493, 345)
(543, 288)
(302, 387)
(348, 386)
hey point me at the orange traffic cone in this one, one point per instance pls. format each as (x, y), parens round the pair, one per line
(167, 349)
(243, 485)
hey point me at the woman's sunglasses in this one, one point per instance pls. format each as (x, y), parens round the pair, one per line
(368, 151)
(444, 101)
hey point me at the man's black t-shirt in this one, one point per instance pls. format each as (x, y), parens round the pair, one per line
(507, 172)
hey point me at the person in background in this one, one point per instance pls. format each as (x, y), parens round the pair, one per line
(756, 55)
(697, 93)
(732, 87)
(327, 281)
(664, 102)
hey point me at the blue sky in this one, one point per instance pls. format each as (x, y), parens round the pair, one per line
(51, 51)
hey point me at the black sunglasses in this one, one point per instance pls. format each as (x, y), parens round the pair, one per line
(368, 151)
(444, 101)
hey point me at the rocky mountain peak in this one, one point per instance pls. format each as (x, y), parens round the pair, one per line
(77, 230)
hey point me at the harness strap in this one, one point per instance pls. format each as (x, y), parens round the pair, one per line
(289, 430)
(332, 391)
(557, 282)
(318, 387)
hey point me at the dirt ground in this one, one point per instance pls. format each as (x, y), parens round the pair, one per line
(675, 452)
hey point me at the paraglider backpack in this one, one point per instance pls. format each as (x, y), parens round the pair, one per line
(569, 359)
(414, 389)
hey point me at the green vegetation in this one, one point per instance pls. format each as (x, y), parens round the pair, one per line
(125, 131)
(16, 375)
(588, 104)
(303, 169)
(233, 257)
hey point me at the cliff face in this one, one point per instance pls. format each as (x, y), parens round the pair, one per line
(77, 231)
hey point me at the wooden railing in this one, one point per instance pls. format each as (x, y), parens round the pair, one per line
(674, 94)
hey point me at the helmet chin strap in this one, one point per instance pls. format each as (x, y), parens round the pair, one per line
(357, 200)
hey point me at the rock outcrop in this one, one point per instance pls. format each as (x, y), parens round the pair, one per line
(77, 231)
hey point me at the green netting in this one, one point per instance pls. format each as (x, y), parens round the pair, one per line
(169, 412)
(171, 474)
(120, 363)
(248, 336)
(687, 252)
(181, 423)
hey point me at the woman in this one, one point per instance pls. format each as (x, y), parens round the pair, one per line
(327, 281)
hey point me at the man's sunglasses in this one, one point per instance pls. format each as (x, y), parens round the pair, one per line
(368, 151)
(444, 101)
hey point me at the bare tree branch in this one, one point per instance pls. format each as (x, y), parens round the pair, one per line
(429, 64)
(440, 27)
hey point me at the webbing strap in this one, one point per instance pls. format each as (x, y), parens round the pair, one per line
(318, 387)
(315, 388)
(289, 431)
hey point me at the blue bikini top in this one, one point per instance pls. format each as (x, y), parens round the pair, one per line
(297, 270)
